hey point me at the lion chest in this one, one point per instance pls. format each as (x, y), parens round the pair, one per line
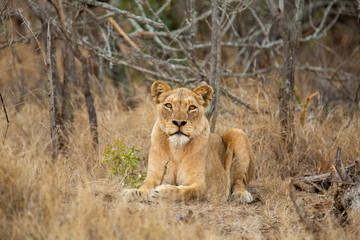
(184, 172)
(175, 174)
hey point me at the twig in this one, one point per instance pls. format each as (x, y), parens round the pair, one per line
(122, 33)
(190, 56)
(122, 180)
(340, 168)
(158, 75)
(320, 31)
(164, 172)
(23, 39)
(236, 99)
(7, 118)
(3, 104)
(37, 41)
(124, 13)
(5, 5)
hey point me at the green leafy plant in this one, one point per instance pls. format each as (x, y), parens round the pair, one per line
(123, 161)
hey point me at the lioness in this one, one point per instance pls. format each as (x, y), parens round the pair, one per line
(198, 163)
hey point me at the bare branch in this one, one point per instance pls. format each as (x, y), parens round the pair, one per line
(26, 22)
(122, 33)
(236, 99)
(124, 13)
(5, 9)
(159, 76)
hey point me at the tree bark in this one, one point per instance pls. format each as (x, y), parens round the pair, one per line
(87, 94)
(67, 109)
(215, 59)
(51, 93)
(286, 89)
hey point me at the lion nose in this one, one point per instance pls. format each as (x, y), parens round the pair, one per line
(179, 123)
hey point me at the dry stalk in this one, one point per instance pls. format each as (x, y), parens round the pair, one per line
(164, 172)
(7, 118)
(3, 104)
(303, 113)
(123, 33)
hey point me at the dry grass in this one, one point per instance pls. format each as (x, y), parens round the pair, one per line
(75, 199)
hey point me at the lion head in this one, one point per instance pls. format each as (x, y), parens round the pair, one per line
(181, 112)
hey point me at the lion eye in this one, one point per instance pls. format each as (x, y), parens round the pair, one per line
(192, 107)
(168, 105)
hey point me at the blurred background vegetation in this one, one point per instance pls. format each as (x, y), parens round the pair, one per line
(75, 76)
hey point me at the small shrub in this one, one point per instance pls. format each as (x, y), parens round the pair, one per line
(122, 161)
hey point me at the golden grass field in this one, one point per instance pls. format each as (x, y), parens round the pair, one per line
(75, 199)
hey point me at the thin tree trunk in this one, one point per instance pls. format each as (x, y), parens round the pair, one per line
(57, 87)
(67, 105)
(286, 90)
(52, 100)
(90, 104)
(85, 83)
(87, 94)
(214, 53)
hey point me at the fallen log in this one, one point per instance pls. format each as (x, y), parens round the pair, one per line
(346, 181)
(315, 183)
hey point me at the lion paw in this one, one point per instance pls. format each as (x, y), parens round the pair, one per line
(242, 197)
(134, 195)
(162, 192)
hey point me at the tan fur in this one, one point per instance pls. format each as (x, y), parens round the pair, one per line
(200, 164)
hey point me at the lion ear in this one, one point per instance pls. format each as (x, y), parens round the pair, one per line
(206, 93)
(158, 88)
